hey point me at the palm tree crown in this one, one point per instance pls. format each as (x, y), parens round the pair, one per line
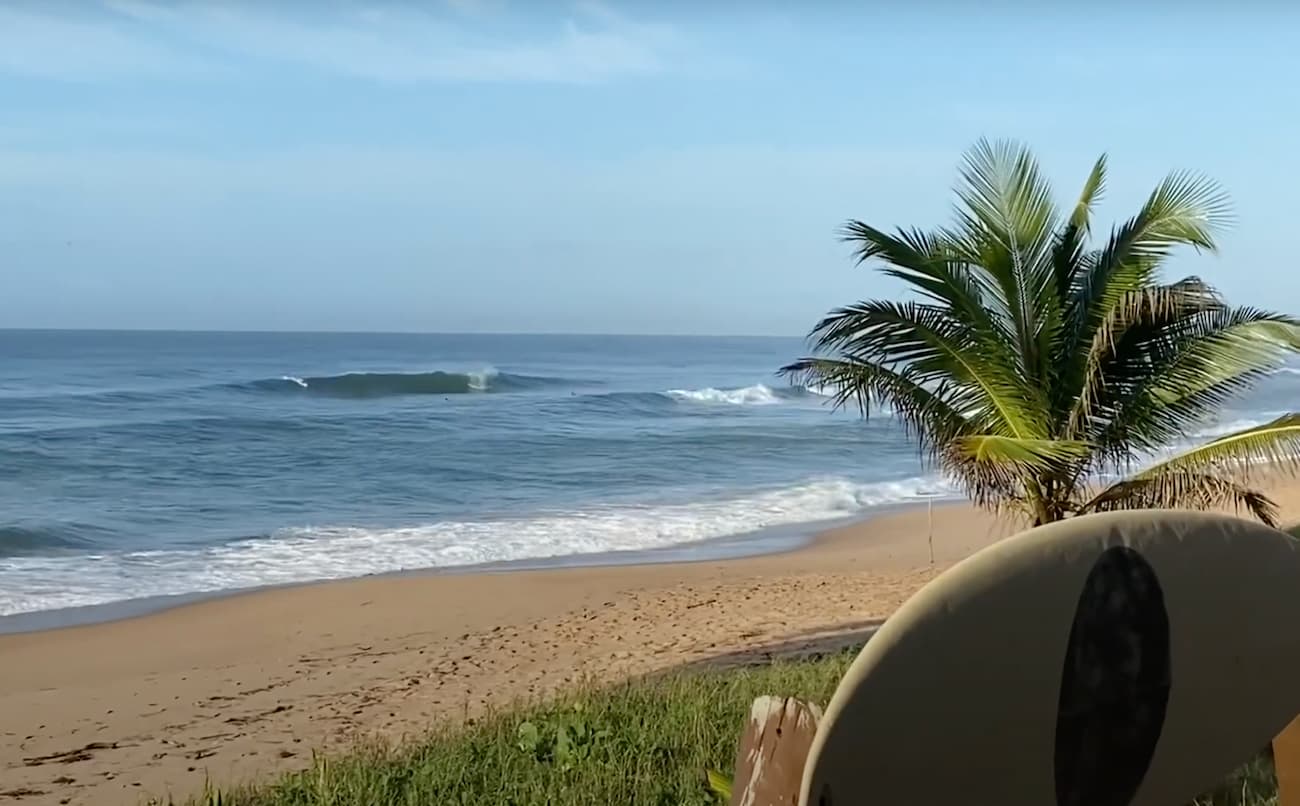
(1031, 363)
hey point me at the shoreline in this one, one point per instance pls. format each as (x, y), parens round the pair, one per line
(779, 539)
(242, 687)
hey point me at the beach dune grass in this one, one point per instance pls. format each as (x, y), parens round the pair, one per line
(648, 741)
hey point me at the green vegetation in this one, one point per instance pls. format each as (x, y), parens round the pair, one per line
(1030, 363)
(649, 741)
(644, 742)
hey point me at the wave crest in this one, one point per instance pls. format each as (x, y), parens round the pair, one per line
(390, 384)
(756, 395)
(22, 541)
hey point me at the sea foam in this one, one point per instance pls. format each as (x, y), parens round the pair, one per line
(309, 553)
(757, 395)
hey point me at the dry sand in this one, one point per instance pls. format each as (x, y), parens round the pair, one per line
(237, 688)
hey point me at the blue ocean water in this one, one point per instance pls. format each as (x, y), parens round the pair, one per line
(152, 464)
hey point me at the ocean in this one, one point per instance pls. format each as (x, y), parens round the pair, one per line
(138, 465)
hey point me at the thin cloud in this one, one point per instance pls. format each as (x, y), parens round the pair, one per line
(456, 41)
(40, 42)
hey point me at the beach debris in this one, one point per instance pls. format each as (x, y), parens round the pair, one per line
(21, 792)
(84, 753)
(244, 720)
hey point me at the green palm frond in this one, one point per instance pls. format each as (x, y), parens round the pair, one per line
(927, 414)
(1006, 231)
(1070, 258)
(992, 466)
(1275, 444)
(926, 263)
(1032, 360)
(1040, 454)
(1185, 209)
(1068, 252)
(1210, 360)
(1180, 489)
(935, 345)
(1093, 191)
(1165, 369)
(1224, 350)
(1137, 318)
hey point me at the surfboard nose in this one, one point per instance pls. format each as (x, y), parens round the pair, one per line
(1112, 659)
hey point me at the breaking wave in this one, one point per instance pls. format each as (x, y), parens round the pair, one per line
(756, 395)
(304, 554)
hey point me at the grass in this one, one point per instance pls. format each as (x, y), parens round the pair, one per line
(646, 742)
(643, 742)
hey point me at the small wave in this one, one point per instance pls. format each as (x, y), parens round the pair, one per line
(390, 384)
(333, 552)
(756, 395)
(666, 402)
(23, 541)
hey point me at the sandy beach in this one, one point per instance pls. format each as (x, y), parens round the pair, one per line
(239, 687)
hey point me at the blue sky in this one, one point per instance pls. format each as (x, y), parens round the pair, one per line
(672, 167)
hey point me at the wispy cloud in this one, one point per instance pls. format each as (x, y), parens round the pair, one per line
(49, 42)
(452, 40)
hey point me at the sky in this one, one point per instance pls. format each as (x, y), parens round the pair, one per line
(604, 167)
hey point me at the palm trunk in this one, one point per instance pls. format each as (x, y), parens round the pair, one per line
(1047, 509)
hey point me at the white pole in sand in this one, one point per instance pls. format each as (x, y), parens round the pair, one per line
(929, 517)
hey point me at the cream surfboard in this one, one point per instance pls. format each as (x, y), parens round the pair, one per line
(1114, 659)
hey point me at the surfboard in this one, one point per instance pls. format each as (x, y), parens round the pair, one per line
(1117, 659)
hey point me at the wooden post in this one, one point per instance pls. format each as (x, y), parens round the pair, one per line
(1286, 761)
(772, 752)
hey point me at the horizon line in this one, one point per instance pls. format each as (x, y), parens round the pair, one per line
(256, 331)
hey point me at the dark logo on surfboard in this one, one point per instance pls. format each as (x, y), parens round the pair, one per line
(1114, 684)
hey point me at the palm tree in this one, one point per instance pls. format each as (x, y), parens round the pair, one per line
(1031, 364)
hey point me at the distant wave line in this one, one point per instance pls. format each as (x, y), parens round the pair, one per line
(346, 384)
(390, 384)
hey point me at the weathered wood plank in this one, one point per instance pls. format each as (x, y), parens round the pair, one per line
(772, 751)
(1286, 760)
